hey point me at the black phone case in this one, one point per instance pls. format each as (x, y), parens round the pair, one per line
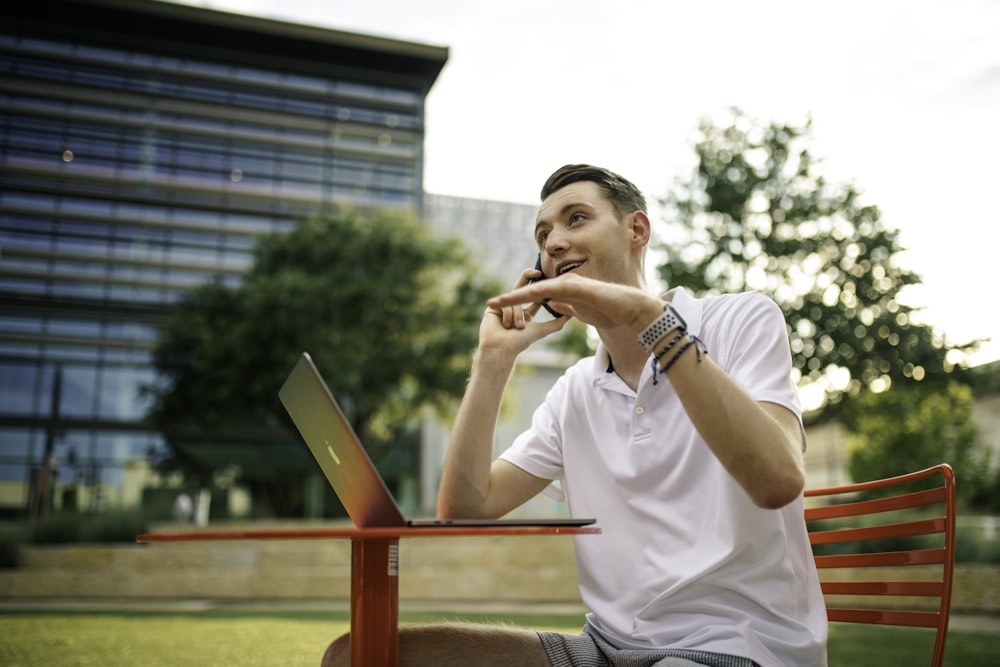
(545, 303)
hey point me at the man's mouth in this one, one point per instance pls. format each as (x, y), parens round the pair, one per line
(566, 268)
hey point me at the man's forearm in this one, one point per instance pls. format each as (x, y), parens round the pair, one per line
(465, 479)
(759, 447)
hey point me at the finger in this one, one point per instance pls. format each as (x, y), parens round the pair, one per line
(564, 308)
(524, 313)
(515, 296)
(507, 316)
(553, 325)
(514, 317)
(517, 316)
(526, 277)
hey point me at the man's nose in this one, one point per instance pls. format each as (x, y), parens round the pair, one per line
(555, 242)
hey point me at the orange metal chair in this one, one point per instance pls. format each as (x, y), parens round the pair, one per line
(887, 509)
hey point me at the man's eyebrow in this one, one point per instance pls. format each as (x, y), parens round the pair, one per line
(563, 212)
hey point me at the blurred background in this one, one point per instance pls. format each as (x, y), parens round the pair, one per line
(190, 201)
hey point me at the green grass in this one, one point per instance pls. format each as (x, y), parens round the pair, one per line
(249, 638)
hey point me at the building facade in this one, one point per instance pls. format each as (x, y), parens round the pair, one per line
(143, 146)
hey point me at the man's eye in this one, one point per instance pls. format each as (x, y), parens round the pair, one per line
(542, 237)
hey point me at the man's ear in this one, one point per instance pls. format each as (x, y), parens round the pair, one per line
(641, 228)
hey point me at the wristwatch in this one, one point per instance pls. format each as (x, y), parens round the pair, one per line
(668, 320)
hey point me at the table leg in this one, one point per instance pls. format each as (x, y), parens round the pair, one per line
(374, 602)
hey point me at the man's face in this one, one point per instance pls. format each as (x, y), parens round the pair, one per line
(577, 230)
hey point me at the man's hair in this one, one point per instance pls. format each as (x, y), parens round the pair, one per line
(625, 198)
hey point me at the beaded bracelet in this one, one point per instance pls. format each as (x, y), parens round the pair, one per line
(666, 348)
(692, 341)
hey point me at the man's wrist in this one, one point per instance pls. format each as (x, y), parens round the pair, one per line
(494, 358)
(667, 321)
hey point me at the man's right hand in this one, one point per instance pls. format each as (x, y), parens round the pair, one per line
(513, 329)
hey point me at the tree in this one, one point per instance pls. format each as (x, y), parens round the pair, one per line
(914, 427)
(757, 214)
(389, 313)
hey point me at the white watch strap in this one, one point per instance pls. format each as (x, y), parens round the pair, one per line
(668, 320)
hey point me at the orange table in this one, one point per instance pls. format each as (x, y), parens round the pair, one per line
(374, 573)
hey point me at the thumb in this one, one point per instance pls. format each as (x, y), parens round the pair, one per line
(554, 325)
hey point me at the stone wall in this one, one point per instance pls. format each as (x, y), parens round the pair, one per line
(497, 569)
(433, 571)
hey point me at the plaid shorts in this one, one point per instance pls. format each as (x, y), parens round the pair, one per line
(590, 649)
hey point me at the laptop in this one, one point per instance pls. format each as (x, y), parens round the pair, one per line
(346, 464)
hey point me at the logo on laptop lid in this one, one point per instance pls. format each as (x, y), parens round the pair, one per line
(333, 454)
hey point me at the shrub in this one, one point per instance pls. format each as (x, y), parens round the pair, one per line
(109, 526)
(11, 538)
(974, 545)
(118, 526)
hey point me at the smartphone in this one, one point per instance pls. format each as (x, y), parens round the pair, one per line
(545, 303)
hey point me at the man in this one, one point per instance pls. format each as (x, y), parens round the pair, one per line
(682, 436)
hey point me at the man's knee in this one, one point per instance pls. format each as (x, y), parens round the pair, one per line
(454, 644)
(338, 654)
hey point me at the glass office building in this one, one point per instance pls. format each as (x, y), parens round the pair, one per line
(143, 145)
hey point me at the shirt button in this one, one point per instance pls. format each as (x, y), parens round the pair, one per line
(639, 410)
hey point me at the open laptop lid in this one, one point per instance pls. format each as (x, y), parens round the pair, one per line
(337, 449)
(347, 466)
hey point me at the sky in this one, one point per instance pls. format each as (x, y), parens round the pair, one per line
(904, 98)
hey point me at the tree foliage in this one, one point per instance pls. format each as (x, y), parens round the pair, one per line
(757, 214)
(388, 313)
(914, 427)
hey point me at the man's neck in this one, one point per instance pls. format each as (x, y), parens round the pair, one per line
(628, 358)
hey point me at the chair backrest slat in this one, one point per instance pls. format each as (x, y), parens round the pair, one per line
(918, 499)
(884, 559)
(915, 588)
(913, 619)
(890, 530)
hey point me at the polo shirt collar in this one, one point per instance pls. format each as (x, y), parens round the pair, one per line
(688, 307)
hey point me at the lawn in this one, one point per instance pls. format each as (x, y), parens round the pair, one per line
(248, 638)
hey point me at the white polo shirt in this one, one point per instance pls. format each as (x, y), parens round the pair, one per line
(685, 558)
